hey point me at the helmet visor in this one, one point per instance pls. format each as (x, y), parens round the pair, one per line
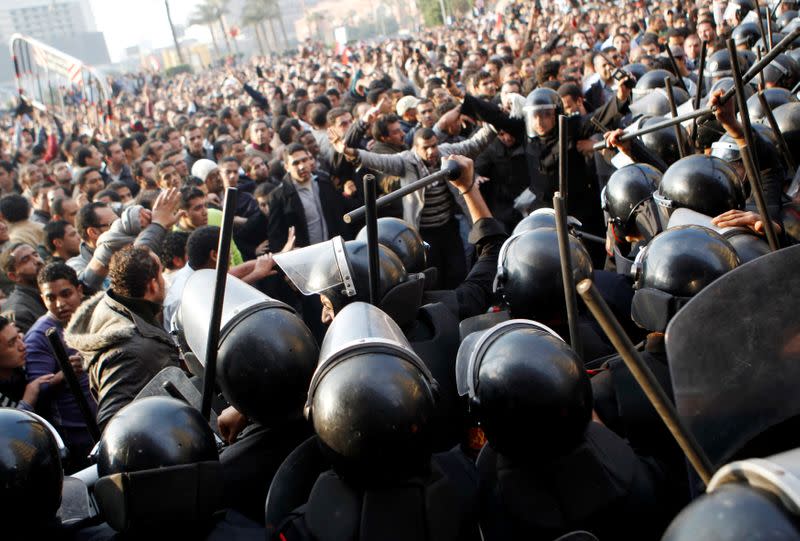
(664, 207)
(319, 267)
(532, 111)
(726, 151)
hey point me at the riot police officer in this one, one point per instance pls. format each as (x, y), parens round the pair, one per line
(265, 361)
(627, 200)
(675, 266)
(547, 468)
(371, 402)
(743, 499)
(158, 470)
(31, 476)
(530, 285)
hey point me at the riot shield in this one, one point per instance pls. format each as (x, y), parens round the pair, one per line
(734, 356)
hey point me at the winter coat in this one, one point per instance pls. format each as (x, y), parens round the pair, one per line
(122, 352)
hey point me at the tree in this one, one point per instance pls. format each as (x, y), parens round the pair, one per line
(220, 9)
(174, 35)
(205, 15)
(275, 13)
(431, 12)
(253, 14)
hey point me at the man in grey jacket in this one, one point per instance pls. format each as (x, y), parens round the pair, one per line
(432, 210)
(118, 332)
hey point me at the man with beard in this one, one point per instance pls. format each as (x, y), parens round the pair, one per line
(89, 181)
(119, 331)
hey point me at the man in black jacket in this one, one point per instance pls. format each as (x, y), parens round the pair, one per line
(24, 306)
(308, 202)
(505, 163)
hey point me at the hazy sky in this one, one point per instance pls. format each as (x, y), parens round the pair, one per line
(126, 23)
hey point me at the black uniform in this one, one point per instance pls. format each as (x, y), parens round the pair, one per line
(601, 486)
(583, 200)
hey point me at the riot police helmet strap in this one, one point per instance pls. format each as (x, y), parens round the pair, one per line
(636, 267)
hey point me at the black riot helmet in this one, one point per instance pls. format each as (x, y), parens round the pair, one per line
(747, 243)
(340, 271)
(372, 398)
(540, 100)
(784, 20)
(264, 375)
(782, 72)
(402, 239)
(651, 80)
(637, 69)
(542, 217)
(674, 267)
(662, 142)
(705, 184)
(767, 154)
(746, 34)
(719, 65)
(521, 374)
(743, 498)
(529, 274)
(733, 513)
(656, 102)
(150, 451)
(787, 116)
(142, 436)
(775, 97)
(31, 477)
(626, 190)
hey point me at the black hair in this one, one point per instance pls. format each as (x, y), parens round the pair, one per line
(52, 231)
(200, 244)
(173, 245)
(57, 270)
(130, 270)
(188, 193)
(87, 217)
(14, 208)
(380, 129)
